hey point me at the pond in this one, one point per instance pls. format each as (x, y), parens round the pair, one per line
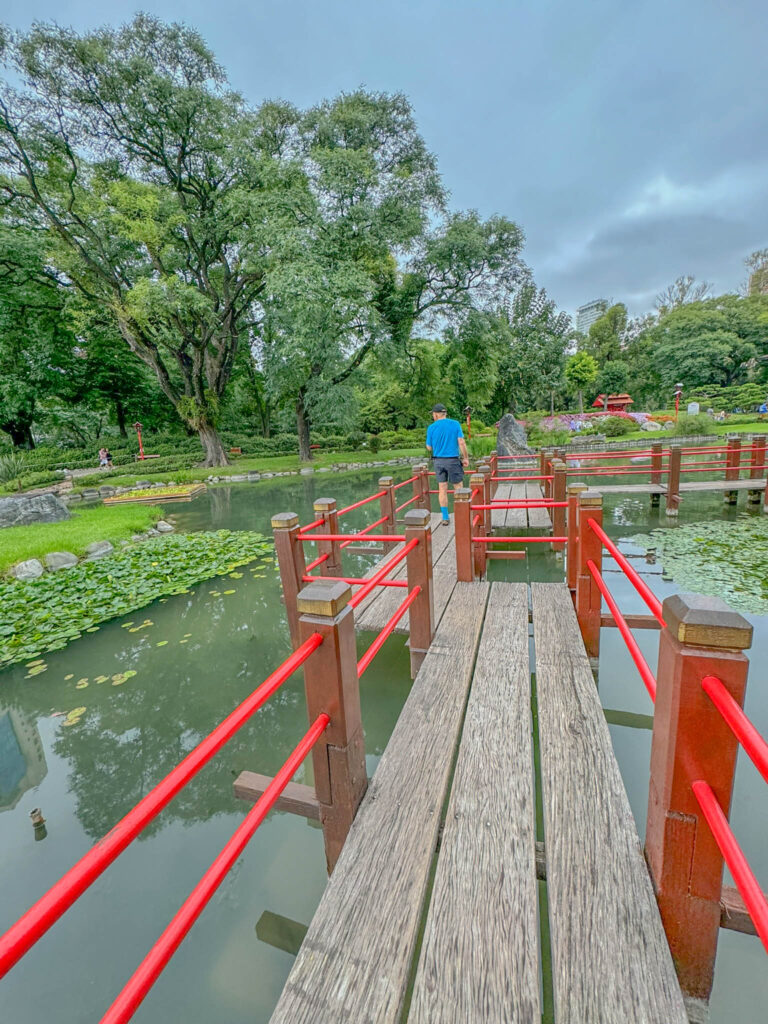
(196, 656)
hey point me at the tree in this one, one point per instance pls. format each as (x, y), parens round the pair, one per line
(581, 373)
(613, 378)
(163, 193)
(36, 349)
(757, 264)
(682, 290)
(718, 342)
(606, 334)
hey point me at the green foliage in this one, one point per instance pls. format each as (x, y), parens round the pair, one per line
(548, 438)
(606, 335)
(48, 613)
(725, 559)
(479, 446)
(693, 426)
(614, 426)
(18, 543)
(613, 378)
(742, 396)
(12, 467)
(581, 373)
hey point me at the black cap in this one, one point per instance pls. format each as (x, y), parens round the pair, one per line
(439, 408)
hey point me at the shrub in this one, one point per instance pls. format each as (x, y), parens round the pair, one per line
(692, 426)
(615, 426)
(12, 466)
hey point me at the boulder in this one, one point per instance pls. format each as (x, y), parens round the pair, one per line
(511, 438)
(29, 570)
(238, 478)
(90, 494)
(56, 560)
(253, 477)
(98, 549)
(307, 471)
(669, 425)
(105, 491)
(650, 425)
(162, 527)
(22, 511)
(141, 484)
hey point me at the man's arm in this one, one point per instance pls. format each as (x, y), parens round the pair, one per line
(464, 452)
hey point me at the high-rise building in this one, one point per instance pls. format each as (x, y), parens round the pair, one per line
(588, 313)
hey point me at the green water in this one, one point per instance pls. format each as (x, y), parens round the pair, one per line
(84, 778)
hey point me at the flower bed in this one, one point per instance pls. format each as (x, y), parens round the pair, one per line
(151, 495)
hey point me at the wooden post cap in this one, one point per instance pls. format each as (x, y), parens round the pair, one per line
(577, 488)
(325, 598)
(483, 469)
(285, 521)
(419, 467)
(734, 437)
(463, 493)
(476, 480)
(706, 622)
(590, 499)
(324, 505)
(418, 517)
(386, 481)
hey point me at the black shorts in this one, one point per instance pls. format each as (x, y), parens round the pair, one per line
(449, 471)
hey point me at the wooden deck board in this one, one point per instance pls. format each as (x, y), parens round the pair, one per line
(479, 959)
(538, 518)
(756, 484)
(516, 518)
(354, 963)
(499, 515)
(610, 958)
(376, 614)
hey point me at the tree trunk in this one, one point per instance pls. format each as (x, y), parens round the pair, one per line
(581, 401)
(551, 403)
(211, 442)
(120, 414)
(21, 434)
(302, 424)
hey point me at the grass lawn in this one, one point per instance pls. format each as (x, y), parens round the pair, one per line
(263, 464)
(18, 543)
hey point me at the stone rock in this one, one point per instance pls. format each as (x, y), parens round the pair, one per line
(669, 425)
(90, 494)
(98, 549)
(170, 483)
(22, 511)
(141, 484)
(162, 527)
(253, 477)
(307, 471)
(56, 560)
(650, 425)
(136, 537)
(323, 469)
(105, 491)
(152, 532)
(267, 476)
(214, 479)
(29, 570)
(511, 438)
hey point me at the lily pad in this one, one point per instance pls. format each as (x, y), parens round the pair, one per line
(161, 643)
(81, 685)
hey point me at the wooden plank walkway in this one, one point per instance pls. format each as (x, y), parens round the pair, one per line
(610, 958)
(519, 518)
(478, 960)
(755, 484)
(354, 963)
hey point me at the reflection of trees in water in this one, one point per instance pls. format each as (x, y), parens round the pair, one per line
(221, 507)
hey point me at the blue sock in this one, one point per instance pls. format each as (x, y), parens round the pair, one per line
(444, 510)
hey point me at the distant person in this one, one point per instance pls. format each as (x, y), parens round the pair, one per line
(109, 459)
(445, 441)
(103, 458)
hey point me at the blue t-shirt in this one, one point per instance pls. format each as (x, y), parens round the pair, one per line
(443, 438)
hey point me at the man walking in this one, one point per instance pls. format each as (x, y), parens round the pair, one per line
(445, 441)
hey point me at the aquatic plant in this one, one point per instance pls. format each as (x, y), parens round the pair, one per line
(48, 613)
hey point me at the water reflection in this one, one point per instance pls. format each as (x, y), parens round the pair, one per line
(22, 759)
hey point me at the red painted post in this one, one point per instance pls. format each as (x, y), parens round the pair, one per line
(572, 553)
(559, 485)
(485, 472)
(732, 464)
(477, 483)
(326, 507)
(691, 741)
(425, 501)
(387, 503)
(494, 464)
(418, 524)
(673, 480)
(332, 686)
(657, 454)
(289, 552)
(757, 466)
(588, 597)
(543, 453)
(462, 514)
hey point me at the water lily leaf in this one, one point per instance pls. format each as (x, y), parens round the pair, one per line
(76, 712)
(34, 664)
(101, 679)
(118, 678)
(130, 673)
(229, 591)
(161, 643)
(93, 629)
(82, 685)
(71, 675)
(183, 641)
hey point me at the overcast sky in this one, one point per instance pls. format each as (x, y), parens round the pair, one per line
(629, 140)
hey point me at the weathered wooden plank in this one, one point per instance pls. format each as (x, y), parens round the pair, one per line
(375, 615)
(516, 518)
(354, 964)
(499, 515)
(538, 518)
(479, 959)
(295, 798)
(595, 485)
(610, 958)
(723, 485)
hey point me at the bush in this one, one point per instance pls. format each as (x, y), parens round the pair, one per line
(548, 438)
(479, 446)
(615, 426)
(692, 426)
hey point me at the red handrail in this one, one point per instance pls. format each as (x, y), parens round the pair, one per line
(49, 908)
(391, 538)
(318, 561)
(405, 504)
(751, 892)
(653, 603)
(520, 540)
(739, 724)
(523, 504)
(383, 571)
(313, 526)
(148, 971)
(378, 643)
(507, 478)
(353, 581)
(637, 655)
(359, 504)
(403, 483)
